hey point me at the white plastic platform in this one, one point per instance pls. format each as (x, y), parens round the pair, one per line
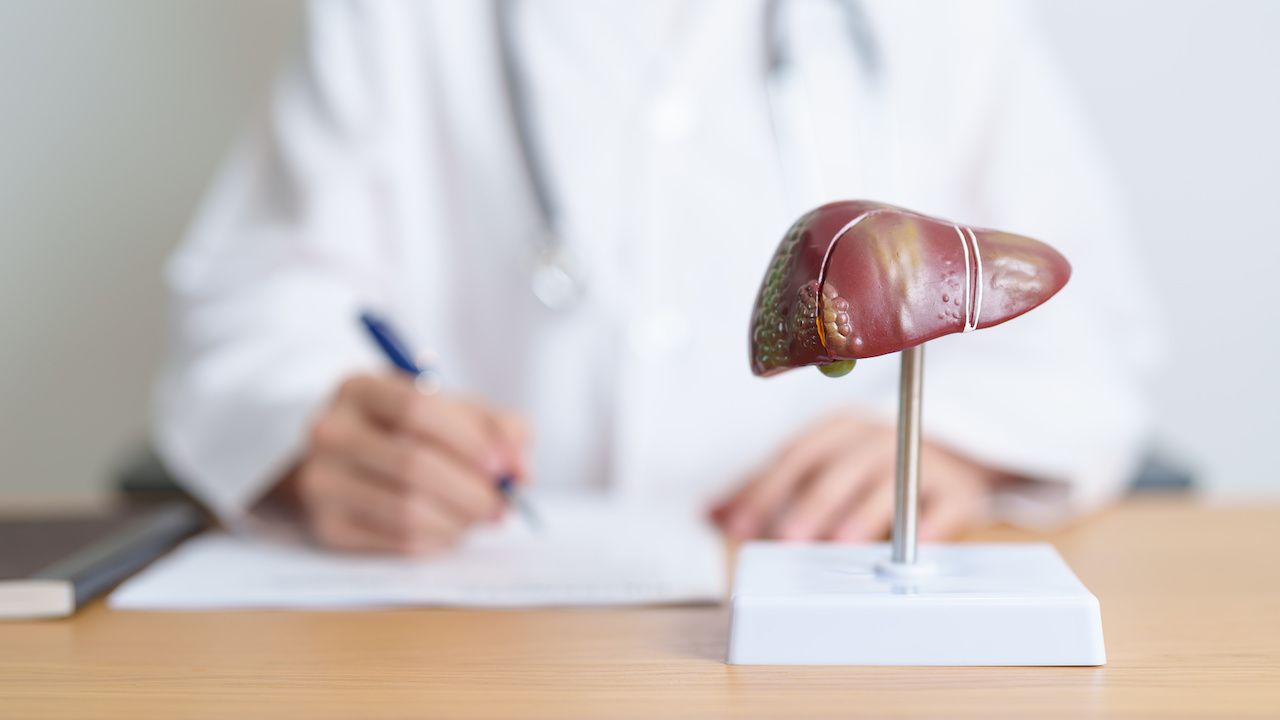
(973, 604)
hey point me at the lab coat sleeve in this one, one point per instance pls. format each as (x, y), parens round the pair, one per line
(1055, 396)
(267, 286)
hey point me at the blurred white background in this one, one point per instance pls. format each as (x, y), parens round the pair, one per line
(113, 115)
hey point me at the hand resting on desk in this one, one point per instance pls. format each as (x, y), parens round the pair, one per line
(835, 482)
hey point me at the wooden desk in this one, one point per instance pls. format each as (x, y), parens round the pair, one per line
(1190, 600)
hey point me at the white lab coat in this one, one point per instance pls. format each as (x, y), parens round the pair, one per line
(385, 174)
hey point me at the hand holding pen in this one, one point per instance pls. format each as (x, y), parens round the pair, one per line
(427, 380)
(390, 468)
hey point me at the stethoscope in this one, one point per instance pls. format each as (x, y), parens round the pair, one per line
(556, 279)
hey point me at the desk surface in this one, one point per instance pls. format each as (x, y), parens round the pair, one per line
(1190, 601)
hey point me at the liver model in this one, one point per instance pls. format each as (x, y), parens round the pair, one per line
(856, 279)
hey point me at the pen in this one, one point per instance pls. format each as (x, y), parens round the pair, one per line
(427, 378)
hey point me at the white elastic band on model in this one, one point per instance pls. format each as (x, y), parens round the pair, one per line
(977, 281)
(972, 297)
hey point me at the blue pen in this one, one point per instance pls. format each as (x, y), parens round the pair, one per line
(400, 356)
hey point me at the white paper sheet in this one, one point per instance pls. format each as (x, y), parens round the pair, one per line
(588, 552)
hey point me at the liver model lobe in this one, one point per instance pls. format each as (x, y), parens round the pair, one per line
(856, 279)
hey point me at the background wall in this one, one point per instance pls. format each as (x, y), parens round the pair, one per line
(113, 115)
(1185, 96)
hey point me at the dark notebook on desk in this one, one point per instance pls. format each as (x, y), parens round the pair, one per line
(49, 566)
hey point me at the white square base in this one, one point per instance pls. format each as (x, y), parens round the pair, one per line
(982, 604)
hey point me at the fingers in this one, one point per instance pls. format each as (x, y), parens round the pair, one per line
(403, 513)
(337, 530)
(347, 436)
(837, 482)
(953, 506)
(750, 512)
(466, 429)
(831, 494)
(718, 513)
(384, 398)
(441, 478)
(872, 518)
(354, 512)
(407, 470)
(489, 441)
(513, 431)
(343, 531)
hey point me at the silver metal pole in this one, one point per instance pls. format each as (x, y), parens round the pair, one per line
(907, 480)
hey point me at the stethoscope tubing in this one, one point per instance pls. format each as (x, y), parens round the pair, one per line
(551, 256)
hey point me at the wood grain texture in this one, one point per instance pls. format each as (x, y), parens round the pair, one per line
(1190, 599)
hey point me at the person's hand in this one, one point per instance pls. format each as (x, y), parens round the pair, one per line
(390, 469)
(835, 482)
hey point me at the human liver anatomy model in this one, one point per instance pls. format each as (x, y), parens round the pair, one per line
(856, 279)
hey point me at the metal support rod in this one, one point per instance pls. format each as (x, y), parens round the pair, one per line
(907, 480)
